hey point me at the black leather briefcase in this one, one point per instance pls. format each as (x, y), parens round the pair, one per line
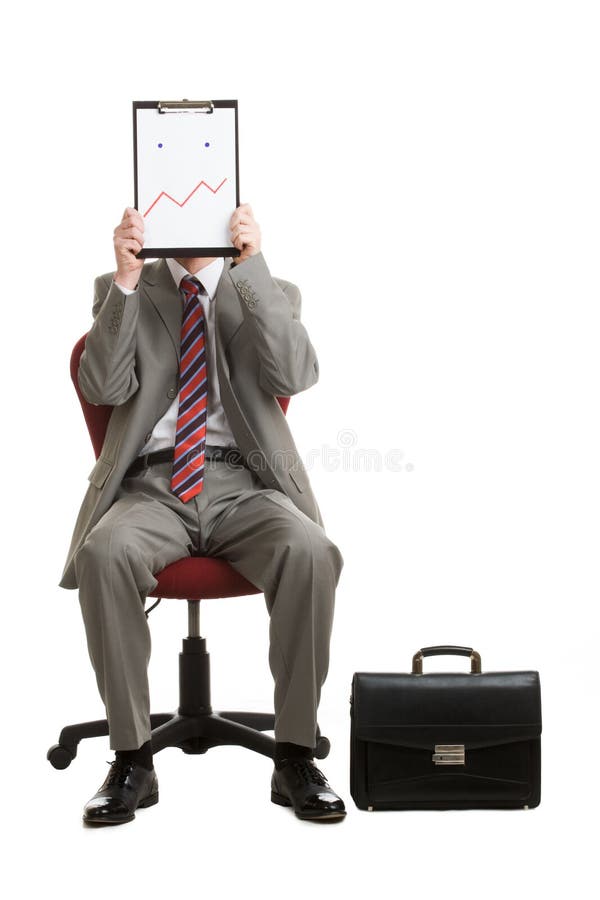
(445, 740)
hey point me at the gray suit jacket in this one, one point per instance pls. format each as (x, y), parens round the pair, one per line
(131, 362)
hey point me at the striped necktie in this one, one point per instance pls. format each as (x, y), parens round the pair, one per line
(190, 438)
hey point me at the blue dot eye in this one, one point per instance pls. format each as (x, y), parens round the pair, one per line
(207, 144)
(160, 145)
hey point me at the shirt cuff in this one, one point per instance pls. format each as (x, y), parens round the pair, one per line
(124, 289)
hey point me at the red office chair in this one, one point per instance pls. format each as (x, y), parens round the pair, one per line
(194, 728)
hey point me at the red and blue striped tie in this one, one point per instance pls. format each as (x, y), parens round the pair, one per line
(190, 438)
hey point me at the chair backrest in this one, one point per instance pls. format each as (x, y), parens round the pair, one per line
(96, 417)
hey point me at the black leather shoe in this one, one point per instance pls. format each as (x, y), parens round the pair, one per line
(127, 786)
(300, 784)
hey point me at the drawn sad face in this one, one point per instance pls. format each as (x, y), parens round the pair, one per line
(182, 202)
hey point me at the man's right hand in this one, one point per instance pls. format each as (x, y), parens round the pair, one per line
(129, 240)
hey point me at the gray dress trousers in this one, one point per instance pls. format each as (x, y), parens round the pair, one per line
(261, 533)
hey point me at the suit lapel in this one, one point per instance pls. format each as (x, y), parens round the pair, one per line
(165, 297)
(228, 311)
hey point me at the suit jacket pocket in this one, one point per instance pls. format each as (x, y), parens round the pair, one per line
(100, 472)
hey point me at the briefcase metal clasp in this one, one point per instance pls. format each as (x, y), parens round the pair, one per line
(449, 755)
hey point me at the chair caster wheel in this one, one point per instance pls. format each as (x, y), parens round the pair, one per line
(323, 747)
(60, 757)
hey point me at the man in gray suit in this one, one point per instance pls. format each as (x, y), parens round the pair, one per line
(260, 514)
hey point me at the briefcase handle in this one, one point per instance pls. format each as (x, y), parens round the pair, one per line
(446, 650)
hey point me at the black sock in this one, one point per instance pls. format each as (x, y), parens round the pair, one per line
(142, 756)
(287, 750)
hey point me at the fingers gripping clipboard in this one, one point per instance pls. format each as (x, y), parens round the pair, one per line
(186, 175)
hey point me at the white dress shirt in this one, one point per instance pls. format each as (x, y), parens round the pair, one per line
(218, 432)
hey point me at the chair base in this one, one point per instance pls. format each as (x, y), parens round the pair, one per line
(194, 727)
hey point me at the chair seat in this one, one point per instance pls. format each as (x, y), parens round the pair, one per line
(201, 578)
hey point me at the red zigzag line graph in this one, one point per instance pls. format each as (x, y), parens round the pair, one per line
(199, 185)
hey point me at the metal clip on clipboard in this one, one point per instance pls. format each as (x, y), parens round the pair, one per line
(185, 106)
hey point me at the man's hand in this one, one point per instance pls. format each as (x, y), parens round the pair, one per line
(245, 233)
(129, 240)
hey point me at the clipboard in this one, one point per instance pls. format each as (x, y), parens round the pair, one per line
(186, 175)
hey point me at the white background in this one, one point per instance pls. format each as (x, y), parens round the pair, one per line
(428, 174)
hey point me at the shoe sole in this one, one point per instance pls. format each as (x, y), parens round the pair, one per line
(151, 800)
(317, 815)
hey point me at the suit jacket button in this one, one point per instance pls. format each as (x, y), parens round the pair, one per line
(171, 393)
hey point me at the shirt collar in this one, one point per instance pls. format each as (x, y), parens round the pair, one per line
(209, 276)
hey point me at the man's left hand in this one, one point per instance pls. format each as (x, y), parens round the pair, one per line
(245, 232)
